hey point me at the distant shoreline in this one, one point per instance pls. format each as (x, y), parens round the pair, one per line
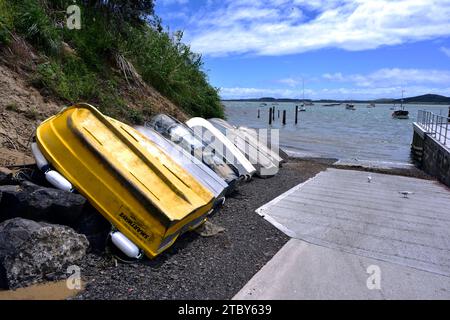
(423, 99)
(338, 101)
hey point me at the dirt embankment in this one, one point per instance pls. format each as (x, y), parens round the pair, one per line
(23, 107)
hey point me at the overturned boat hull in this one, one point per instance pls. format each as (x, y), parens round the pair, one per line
(266, 144)
(215, 140)
(195, 167)
(184, 137)
(128, 179)
(254, 152)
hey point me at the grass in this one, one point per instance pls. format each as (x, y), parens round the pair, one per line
(90, 74)
(6, 22)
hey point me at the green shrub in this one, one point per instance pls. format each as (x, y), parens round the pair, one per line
(110, 27)
(33, 22)
(70, 80)
(6, 23)
(172, 68)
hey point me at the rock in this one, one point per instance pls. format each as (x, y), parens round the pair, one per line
(39, 203)
(5, 176)
(33, 202)
(31, 252)
(95, 227)
(67, 50)
(208, 229)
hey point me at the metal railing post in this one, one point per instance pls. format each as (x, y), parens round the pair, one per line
(446, 130)
(434, 127)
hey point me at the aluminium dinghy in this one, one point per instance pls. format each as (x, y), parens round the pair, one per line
(183, 136)
(265, 165)
(147, 196)
(267, 142)
(210, 135)
(261, 138)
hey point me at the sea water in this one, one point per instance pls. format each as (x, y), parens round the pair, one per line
(335, 132)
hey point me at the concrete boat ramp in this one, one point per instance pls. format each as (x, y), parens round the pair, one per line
(358, 235)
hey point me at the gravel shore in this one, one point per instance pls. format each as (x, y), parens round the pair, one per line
(216, 267)
(197, 267)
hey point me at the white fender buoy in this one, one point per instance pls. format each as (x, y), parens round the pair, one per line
(41, 162)
(58, 181)
(125, 245)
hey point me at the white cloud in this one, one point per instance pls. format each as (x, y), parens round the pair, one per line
(332, 93)
(243, 93)
(291, 82)
(294, 26)
(393, 77)
(446, 51)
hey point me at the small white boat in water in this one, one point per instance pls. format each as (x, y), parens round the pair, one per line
(302, 106)
(350, 106)
(371, 105)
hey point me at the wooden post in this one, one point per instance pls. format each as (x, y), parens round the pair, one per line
(448, 114)
(278, 114)
(273, 114)
(270, 116)
(296, 114)
(259, 113)
(284, 117)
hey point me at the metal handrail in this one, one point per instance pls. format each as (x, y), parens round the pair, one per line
(436, 125)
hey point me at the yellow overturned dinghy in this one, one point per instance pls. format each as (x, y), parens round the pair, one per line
(147, 196)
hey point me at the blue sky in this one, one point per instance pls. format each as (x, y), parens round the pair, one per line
(350, 49)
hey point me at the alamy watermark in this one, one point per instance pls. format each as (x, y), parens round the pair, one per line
(73, 282)
(73, 21)
(374, 280)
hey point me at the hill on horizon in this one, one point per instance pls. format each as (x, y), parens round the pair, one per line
(425, 98)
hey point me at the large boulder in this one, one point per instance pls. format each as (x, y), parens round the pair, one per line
(30, 201)
(31, 252)
(40, 203)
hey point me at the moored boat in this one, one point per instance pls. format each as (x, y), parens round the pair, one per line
(331, 105)
(401, 113)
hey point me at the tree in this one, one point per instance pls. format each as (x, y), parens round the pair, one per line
(135, 11)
